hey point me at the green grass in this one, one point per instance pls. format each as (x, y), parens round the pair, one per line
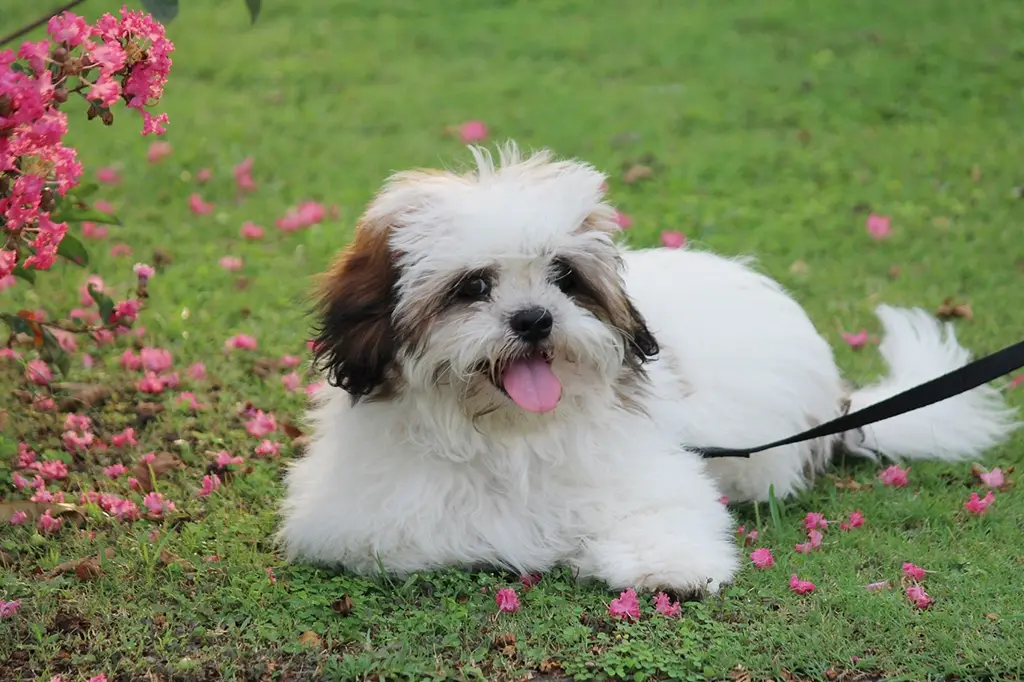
(774, 127)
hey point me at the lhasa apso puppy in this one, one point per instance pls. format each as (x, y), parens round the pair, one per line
(508, 386)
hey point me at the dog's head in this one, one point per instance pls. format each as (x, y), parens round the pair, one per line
(501, 287)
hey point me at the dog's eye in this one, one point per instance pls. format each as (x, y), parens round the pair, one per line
(474, 288)
(564, 276)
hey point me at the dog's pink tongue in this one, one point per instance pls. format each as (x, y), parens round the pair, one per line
(532, 385)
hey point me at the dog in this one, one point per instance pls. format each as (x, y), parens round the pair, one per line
(509, 387)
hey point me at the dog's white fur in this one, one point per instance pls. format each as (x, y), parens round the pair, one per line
(447, 471)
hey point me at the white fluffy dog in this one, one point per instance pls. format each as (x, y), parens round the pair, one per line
(509, 387)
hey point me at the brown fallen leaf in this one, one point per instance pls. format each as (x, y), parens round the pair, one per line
(343, 606)
(82, 395)
(169, 558)
(992, 616)
(148, 411)
(162, 257)
(264, 367)
(976, 174)
(70, 622)
(88, 568)
(949, 310)
(799, 267)
(636, 173)
(846, 483)
(895, 272)
(291, 430)
(37, 509)
(310, 639)
(504, 640)
(161, 464)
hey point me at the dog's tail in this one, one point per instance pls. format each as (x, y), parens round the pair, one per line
(917, 348)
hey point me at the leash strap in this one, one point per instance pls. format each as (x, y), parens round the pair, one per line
(971, 375)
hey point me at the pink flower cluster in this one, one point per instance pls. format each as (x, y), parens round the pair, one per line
(124, 58)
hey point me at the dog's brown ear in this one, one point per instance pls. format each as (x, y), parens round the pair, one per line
(355, 342)
(641, 343)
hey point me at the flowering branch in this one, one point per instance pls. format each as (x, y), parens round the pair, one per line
(38, 22)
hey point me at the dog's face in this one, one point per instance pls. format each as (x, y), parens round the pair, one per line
(501, 288)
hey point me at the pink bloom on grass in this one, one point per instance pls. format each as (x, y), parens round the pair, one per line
(115, 470)
(48, 524)
(158, 151)
(190, 401)
(9, 608)
(240, 342)
(204, 175)
(120, 249)
(151, 383)
(291, 381)
(856, 520)
(894, 477)
(243, 176)
(979, 505)
(198, 206)
(91, 230)
(290, 360)
(507, 600)
(98, 678)
(856, 340)
(268, 448)
(104, 206)
(231, 263)
(800, 586)
(671, 239)
(125, 438)
(18, 518)
(157, 505)
(224, 459)
(196, 371)
(803, 548)
(311, 389)
(130, 360)
(307, 213)
(261, 424)
(622, 220)
(724, 499)
(251, 230)
(877, 587)
(625, 606)
(156, 359)
(210, 483)
(814, 520)
(529, 580)
(108, 176)
(815, 538)
(666, 607)
(762, 558)
(913, 571)
(38, 372)
(473, 131)
(879, 226)
(993, 479)
(52, 470)
(143, 272)
(920, 598)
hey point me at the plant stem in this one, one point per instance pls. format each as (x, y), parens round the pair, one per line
(38, 22)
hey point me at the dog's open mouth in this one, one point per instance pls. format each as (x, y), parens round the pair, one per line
(530, 383)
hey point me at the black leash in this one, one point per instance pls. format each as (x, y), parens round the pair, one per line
(971, 375)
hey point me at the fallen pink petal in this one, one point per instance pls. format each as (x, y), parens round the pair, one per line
(666, 607)
(108, 176)
(978, 505)
(671, 239)
(993, 479)
(198, 206)
(879, 227)
(801, 586)
(762, 558)
(895, 477)
(626, 606)
(877, 587)
(507, 600)
(913, 571)
(918, 597)
(473, 131)
(231, 263)
(856, 340)
(251, 230)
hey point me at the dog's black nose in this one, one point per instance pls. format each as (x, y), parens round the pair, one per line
(532, 324)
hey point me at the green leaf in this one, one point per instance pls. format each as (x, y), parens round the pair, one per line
(162, 10)
(254, 8)
(774, 508)
(27, 275)
(83, 191)
(17, 324)
(73, 250)
(53, 354)
(103, 301)
(81, 215)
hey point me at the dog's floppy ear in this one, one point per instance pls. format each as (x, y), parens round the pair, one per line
(641, 343)
(355, 342)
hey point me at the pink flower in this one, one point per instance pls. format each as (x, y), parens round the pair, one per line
(913, 572)
(311, 389)
(993, 479)
(815, 537)
(856, 340)
(125, 438)
(800, 586)
(68, 28)
(270, 575)
(622, 220)
(18, 518)
(261, 424)
(672, 239)
(6, 282)
(290, 361)
(920, 598)
(190, 400)
(507, 600)
(87, 361)
(306, 214)
(291, 381)
(878, 226)
(151, 383)
(803, 548)
(251, 230)
(38, 372)
(240, 342)
(156, 359)
(51, 470)
(108, 176)
(91, 230)
(210, 483)
(666, 607)
(762, 558)
(77, 422)
(143, 272)
(25, 457)
(473, 131)
(204, 176)
(625, 606)
(529, 580)
(1015, 382)
(158, 151)
(856, 521)
(198, 206)
(268, 448)
(243, 176)
(104, 206)
(751, 538)
(979, 505)
(9, 608)
(126, 312)
(197, 371)
(224, 459)
(894, 477)
(815, 520)
(876, 587)
(231, 263)
(98, 678)
(48, 524)
(157, 505)
(115, 470)
(120, 249)
(724, 499)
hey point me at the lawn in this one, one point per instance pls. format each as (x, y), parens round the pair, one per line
(772, 128)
